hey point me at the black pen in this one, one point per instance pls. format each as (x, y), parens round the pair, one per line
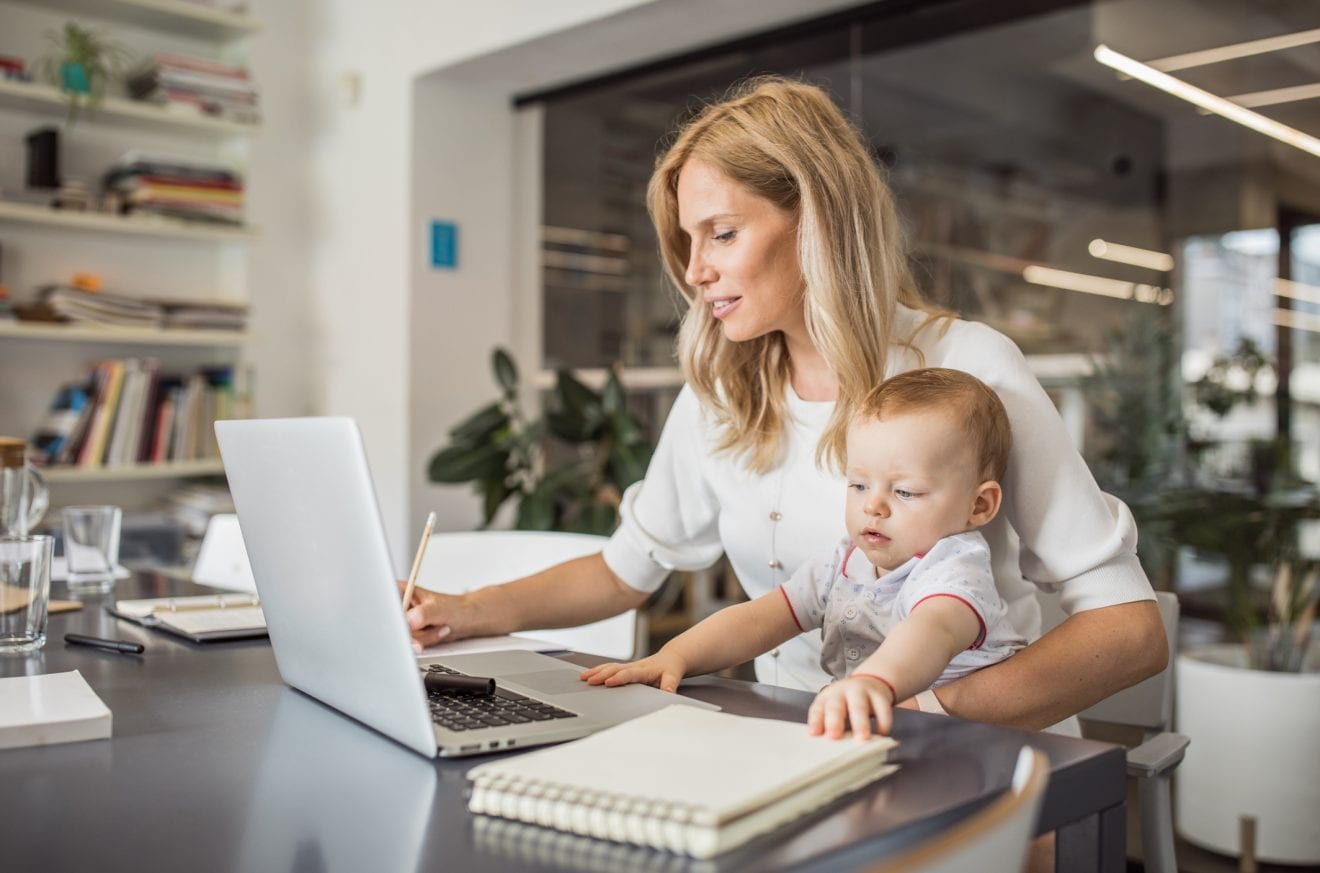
(448, 683)
(98, 642)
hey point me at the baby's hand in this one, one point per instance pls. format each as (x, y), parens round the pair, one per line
(851, 701)
(661, 670)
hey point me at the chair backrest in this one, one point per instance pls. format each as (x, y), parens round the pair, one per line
(222, 560)
(459, 562)
(1148, 704)
(995, 837)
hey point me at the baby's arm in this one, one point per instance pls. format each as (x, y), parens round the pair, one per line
(912, 656)
(731, 636)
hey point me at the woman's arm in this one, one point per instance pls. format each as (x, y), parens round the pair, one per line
(1088, 657)
(576, 592)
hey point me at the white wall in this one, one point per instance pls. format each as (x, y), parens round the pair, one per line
(433, 134)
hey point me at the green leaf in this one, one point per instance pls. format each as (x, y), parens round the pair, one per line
(506, 371)
(613, 399)
(597, 518)
(626, 429)
(494, 493)
(626, 465)
(537, 511)
(464, 463)
(480, 425)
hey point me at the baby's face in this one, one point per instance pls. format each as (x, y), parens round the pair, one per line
(912, 480)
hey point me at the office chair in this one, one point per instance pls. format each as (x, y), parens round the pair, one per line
(222, 560)
(1147, 706)
(995, 838)
(458, 562)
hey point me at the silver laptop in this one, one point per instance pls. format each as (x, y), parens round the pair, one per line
(312, 527)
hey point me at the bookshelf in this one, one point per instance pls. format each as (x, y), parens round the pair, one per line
(176, 17)
(147, 225)
(46, 100)
(134, 336)
(138, 255)
(133, 472)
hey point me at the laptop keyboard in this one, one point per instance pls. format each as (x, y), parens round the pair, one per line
(468, 712)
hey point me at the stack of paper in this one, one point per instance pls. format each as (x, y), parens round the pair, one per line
(51, 708)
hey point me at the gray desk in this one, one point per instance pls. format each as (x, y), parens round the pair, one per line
(216, 766)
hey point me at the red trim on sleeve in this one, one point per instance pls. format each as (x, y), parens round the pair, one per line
(791, 611)
(843, 568)
(980, 639)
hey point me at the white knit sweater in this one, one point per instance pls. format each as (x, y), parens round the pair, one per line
(1056, 529)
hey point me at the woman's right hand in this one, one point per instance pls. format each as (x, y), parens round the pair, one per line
(434, 617)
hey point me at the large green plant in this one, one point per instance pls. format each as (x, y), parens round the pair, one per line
(566, 470)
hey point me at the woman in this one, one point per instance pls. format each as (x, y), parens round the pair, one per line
(777, 227)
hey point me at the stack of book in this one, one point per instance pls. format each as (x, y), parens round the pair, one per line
(190, 84)
(129, 412)
(176, 187)
(67, 303)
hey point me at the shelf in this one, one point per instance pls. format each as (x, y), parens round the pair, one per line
(131, 472)
(168, 16)
(114, 111)
(154, 336)
(23, 213)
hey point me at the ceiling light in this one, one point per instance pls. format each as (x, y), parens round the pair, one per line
(1237, 50)
(1296, 291)
(1278, 95)
(1300, 320)
(1110, 251)
(1088, 284)
(1206, 100)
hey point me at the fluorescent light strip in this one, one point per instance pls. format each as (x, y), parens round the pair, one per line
(1278, 95)
(1122, 254)
(1206, 100)
(1300, 320)
(1296, 291)
(1236, 50)
(1088, 284)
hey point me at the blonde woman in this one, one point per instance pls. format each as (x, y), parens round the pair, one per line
(781, 233)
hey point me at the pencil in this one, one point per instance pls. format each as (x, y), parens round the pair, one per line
(417, 561)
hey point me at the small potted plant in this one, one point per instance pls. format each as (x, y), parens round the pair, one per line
(84, 62)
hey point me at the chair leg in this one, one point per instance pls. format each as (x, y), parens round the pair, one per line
(1157, 825)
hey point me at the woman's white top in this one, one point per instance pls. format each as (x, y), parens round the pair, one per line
(1055, 530)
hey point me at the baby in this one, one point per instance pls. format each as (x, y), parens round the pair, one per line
(908, 601)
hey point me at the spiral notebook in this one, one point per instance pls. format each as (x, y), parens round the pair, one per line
(686, 780)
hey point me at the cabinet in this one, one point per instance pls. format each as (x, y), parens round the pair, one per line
(142, 256)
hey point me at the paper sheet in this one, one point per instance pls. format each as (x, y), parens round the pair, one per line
(490, 644)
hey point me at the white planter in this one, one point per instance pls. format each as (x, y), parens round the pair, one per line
(1255, 751)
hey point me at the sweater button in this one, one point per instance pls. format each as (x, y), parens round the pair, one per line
(775, 564)
(775, 515)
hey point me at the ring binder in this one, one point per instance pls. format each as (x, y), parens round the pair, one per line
(722, 780)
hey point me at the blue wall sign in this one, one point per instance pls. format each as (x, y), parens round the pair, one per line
(444, 245)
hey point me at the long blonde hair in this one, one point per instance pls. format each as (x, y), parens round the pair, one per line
(786, 141)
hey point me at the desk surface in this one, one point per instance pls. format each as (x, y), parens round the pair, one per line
(215, 765)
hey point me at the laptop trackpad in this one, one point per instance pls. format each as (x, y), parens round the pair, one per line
(551, 681)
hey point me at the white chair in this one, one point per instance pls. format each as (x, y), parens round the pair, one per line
(992, 840)
(222, 560)
(459, 562)
(1148, 707)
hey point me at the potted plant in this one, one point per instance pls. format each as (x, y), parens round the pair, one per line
(84, 62)
(1252, 707)
(566, 470)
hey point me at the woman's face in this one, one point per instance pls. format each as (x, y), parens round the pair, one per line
(743, 258)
